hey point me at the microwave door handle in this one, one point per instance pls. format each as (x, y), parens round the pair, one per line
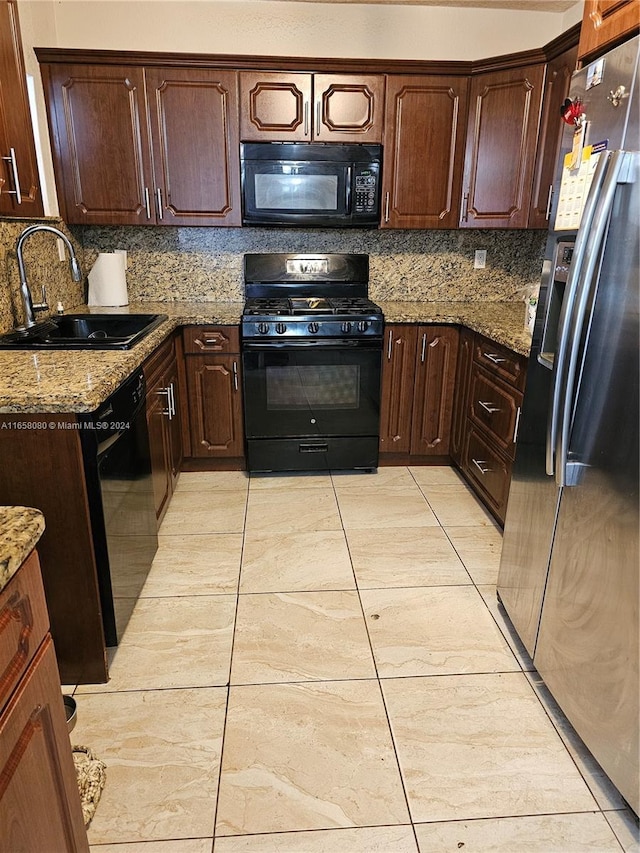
(348, 193)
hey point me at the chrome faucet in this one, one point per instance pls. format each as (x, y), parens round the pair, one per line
(29, 306)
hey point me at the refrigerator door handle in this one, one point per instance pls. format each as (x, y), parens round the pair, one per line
(565, 329)
(617, 172)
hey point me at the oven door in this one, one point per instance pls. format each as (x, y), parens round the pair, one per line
(312, 396)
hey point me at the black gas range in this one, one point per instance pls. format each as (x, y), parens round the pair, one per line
(311, 354)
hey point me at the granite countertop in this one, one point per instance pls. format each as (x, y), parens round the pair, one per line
(80, 380)
(20, 529)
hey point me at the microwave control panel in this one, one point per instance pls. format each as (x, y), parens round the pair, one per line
(366, 191)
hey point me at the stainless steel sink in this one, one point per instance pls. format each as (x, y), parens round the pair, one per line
(85, 331)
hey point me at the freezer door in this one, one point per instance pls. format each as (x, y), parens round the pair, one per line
(587, 649)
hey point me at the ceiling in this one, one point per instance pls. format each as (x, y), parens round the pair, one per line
(523, 5)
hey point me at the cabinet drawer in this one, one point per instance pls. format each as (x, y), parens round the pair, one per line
(495, 407)
(199, 339)
(489, 471)
(501, 361)
(24, 622)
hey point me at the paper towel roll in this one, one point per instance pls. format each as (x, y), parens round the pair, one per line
(108, 281)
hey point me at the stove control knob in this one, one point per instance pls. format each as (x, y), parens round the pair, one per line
(281, 328)
(263, 328)
(313, 328)
(362, 325)
(346, 327)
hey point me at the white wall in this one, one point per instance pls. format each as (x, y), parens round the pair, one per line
(274, 27)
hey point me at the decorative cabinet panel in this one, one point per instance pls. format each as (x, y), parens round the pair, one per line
(418, 375)
(39, 799)
(291, 107)
(122, 155)
(463, 378)
(20, 193)
(501, 147)
(425, 123)
(163, 421)
(214, 391)
(606, 23)
(556, 87)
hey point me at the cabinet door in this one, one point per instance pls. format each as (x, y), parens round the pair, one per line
(398, 374)
(18, 164)
(606, 23)
(197, 173)
(501, 146)
(100, 144)
(215, 406)
(173, 426)
(39, 799)
(495, 408)
(556, 88)
(488, 471)
(435, 374)
(275, 106)
(425, 123)
(348, 108)
(461, 395)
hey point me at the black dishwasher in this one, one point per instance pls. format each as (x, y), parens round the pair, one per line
(115, 443)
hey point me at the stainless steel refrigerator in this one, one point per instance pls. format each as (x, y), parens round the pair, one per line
(569, 575)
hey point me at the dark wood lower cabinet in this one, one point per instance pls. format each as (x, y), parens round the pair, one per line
(39, 799)
(215, 406)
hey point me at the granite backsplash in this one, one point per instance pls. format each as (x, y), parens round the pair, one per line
(168, 264)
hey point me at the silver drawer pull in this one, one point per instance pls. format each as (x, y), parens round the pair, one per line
(479, 464)
(235, 375)
(517, 426)
(494, 357)
(16, 191)
(488, 407)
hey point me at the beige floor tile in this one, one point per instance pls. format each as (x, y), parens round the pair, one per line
(308, 756)
(300, 636)
(173, 642)
(479, 548)
(625, 826)
(195, 565)
(365, 482)
(479, 746)
(436, 475)
(455, 506)
(404, 556)
(162, 751)
(204, 512)
(282, 562)
(384, 508)
(370, 839)
(213, 481)
(298, 511)
(184, 845)
(558, 833)
(291, 480)
(433, 631)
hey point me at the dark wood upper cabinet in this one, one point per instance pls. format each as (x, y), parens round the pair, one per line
(20, 193)
(425, 123)
(502, 131)
(100, 117)
(196, 171)
(292, 107)
(606, 23)
(556, 87)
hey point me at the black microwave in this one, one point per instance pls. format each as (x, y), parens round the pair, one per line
(310, 184)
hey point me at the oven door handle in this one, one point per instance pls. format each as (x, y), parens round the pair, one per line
(328, 343)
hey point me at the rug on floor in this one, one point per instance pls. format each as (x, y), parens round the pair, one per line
(91, 774)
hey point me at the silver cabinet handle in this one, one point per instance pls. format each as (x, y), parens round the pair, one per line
(159, 202)
(389, 343)
(494, 357)
(386, 207)
(317, 127)
(235, 375)
(517, 426)
(549, 199)
(464, 216)
(488, 407)
(16, 191)
(306, 118)
(479, 463)
(147, 203)
(424, 347)
(172, 402)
